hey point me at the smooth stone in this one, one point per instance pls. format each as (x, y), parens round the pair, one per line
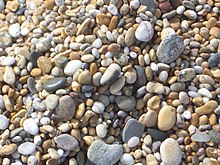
(170, 151)
(141, 79)
(117, 85)
(9, 61)
(6, 39)
(8, 149)
(52, 101)
(44, 64)
(151, 6)
(31, 85)
(207, 108)
(111, 74)
(54, 84)
(26, 148)
(155, 87)
(200, 137)
(101, 130)
(212, 152)
(30, 126)
(214, 59)
(151, 160)
(157, 135)
(130, 76)
(144, 32)
(39, 106)
(9, 75)
(61, 61)
(2, 5)
(170, 48)
(44, 44)
(66, 108)
(214, 136)
(186, 75)
(4, 122)
(85, 77)
(66, 142)
(53, 153)
(150, 119)
(103, 154)
(205, 92)
(130, 37)
(32, 160)
(134, 141)
(166, 118)
(72, 66)
(132, 128)
(34, 56)
(14, 30)
(125, 103)
(127, 159)
(98, 107)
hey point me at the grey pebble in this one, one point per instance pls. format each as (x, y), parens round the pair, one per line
(157, 135)
(34, 56)
(125, 103)
(151, 6)
(55, 83)
(214, 136)
(214, 59)
(200, 137)
(66, 142)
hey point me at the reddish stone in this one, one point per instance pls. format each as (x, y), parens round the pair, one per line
(165, 6)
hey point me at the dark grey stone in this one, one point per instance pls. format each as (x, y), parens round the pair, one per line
(132, 128)
(214, 136)
(34, 56)
(125, 103)
(157, 135)
(151, 6)
(87, 88)
(141, 77)
(31, 85)
(170, 48)
(55, 83)
(214, 59)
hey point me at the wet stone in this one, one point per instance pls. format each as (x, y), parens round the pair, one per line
(132, 128)
(54, 84)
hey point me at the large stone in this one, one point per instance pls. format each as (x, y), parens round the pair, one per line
(170, 151)
(170, 48)
(103, 154)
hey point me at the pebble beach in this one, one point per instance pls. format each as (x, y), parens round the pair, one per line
(110, 82)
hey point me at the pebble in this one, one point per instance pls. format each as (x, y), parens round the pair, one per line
(52, 101)
(205, 92)
(151, 160)
(132, 128)
(166, 118)
(66, 142)
(53, 153)
(130, 37)
(2, 5)
(102, 154)
(32, 160)
(170, 151)
(8, 149)
(200, 137)
(31, 85)
(26, 148)
(207, 108)
(151, 6)
(111, 74)
(150, 119)
(214, 59)
(170, 48)
(65, 109)
(186, 75)
(34, 56)
(133, 141)
(14, 30)
(214, 136)
(125, 103)
(44, 64)
(144, 32)
(6, 39)
(54, 84)
(101, 130)
(9, 75)
(72, 66)
(30, 126)
(127, 159)
(155, 87)
(163, 76)
(4, 122)
(98, 107)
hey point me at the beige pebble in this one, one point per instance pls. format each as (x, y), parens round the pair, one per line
(207, 108)
(155, 87)
(85, 77)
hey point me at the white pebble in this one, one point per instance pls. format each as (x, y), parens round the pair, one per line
(14, 30)
(133, 55)
(4, 122)
(187, 115)
(163, 76)
(37, 139)
(97, 43)
(127, 159)
(30, 126)
(205, 92)
(9, 61)
(154, 67)
(98, 107)
(135, 4)
(144, 32)
(180, 10)
(132, 142)
(112, 9)
(193, 94)
(24, 31)
(26, 148)
(101, 130)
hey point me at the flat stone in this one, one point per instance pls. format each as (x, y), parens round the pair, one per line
(26, 148)
(66, 142)
(170, 151)
(166, 118)
(207, 108)
(132, 128)
(72, 66)
(8, 149)
(52, 101)
(31, 85)
(125, 103)
(157, 135)
(30, 126)
(186, 75)
(103, 154)
(34, 56)
(66, 108)
(54, 84)
(4, 122)
(170, 48)
(9, 75)
(117, 85)
(144, 32)
(214, 136)
(111, 74)
(151, 6)
(200, 137)
(214, 59)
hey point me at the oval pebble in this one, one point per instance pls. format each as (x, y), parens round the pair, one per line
(132, 142)
(127, 159)
(30, 126)
(4, 122)
(26, 148)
